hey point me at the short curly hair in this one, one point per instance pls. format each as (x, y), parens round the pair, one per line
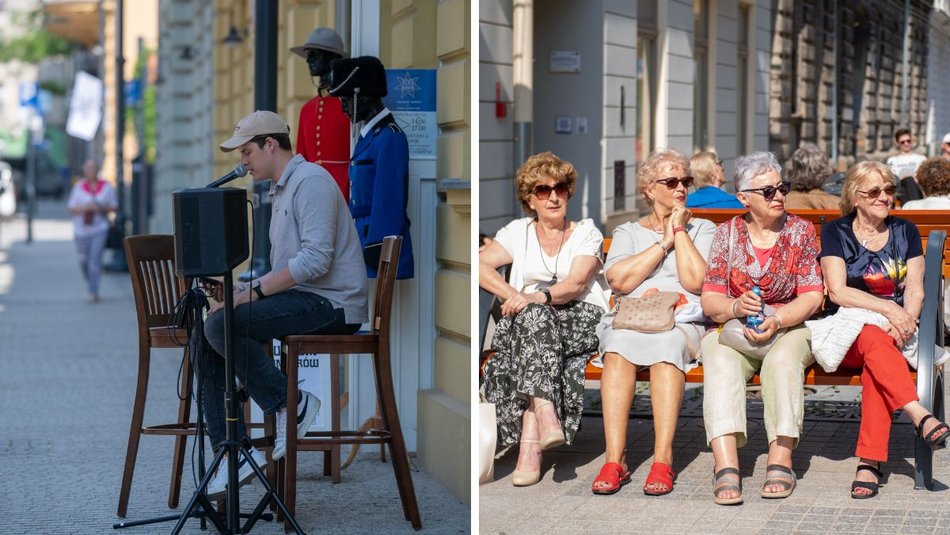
(752, 165)
(856, 177)
(934, 176)
(538, 167)
(648, 170)
(808, 168)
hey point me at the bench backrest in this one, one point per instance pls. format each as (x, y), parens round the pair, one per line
(926, 221)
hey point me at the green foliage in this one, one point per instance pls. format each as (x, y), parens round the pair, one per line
(34, 45)
(145, 129)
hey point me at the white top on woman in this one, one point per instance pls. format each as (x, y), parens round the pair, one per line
(532, 269)
(103, 195)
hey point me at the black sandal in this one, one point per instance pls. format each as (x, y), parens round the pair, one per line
(720, 484)
(935, 443)
(873, 487)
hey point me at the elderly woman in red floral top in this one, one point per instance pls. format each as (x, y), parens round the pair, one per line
(777, 252)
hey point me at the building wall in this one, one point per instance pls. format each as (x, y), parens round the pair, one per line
(184, 131)
(444, 439)
(938, 76)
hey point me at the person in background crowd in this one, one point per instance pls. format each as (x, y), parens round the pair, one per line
(807, 170)
(946, 147)
(550, 311)
(90, 201)
(666, 251)
(777, 252)
(934, 178)
(707, 172)
(323, 131)
(871, 260)
(904, 165)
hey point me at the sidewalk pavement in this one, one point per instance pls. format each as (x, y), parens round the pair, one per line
(563, 503)
(67, 380)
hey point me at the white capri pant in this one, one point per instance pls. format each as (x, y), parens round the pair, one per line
(726, 372)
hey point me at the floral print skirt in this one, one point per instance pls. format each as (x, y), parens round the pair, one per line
(541, 352)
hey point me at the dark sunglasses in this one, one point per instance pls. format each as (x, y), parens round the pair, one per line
(672, 182)
(543, 191)
(769, 191)
(875, 192)
(904, 141)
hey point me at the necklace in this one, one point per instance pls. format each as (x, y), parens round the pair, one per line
(558, 257)
(652, 226)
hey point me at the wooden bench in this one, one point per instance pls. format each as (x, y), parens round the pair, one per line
(933, 226)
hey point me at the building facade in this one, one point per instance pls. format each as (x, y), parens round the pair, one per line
(604, 83)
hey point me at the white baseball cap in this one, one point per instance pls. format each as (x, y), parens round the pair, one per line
(259, 123)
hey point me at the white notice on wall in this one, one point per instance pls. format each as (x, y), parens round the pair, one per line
(565, 61)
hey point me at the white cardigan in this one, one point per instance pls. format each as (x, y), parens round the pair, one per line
(832, 336)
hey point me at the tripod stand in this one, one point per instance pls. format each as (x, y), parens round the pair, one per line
(234, 448)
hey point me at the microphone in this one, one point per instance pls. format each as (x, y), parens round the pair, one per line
(237, 172)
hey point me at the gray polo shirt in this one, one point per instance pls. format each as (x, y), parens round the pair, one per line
(313, 234)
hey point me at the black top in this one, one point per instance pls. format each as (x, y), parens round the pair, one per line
(880, 273)
(909, 190)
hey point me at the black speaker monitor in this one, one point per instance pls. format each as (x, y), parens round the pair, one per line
(210, 230)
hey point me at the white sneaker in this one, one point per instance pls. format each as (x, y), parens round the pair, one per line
(307, 409)
(219, 483)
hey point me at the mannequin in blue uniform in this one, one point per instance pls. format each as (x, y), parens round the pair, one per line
(379, 166)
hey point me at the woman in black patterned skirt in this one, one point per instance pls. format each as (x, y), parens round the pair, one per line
(552, 303)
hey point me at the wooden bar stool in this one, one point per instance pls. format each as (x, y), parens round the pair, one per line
(156, 289)
(376, 343)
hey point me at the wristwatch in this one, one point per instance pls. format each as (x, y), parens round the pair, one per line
(258, 291)
(547, 296)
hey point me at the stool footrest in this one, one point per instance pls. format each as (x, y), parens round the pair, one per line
(185, 429)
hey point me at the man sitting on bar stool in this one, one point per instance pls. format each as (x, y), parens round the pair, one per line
(317, 284)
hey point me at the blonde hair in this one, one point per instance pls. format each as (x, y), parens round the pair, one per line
(857, 175)
(702, 166)
(538, 167)
(650, 168)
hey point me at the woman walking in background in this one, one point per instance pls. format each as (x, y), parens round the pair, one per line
(90, 202)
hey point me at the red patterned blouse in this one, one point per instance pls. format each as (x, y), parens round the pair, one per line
(790, 267)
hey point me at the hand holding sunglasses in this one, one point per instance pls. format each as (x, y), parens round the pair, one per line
(769, 191)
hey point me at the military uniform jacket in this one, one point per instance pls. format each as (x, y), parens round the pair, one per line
(379, 190)
(323, 137)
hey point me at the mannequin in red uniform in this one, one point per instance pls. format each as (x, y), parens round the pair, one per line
(323, 131)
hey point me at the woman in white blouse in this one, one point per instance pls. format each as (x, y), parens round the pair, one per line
(551, 306)
(90, 202)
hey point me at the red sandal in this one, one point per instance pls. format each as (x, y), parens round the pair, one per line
(662, 474)
(614, 475)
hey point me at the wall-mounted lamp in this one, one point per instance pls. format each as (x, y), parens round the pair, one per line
(234, 36)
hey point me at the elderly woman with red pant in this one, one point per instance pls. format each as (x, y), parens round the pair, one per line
(874, 261)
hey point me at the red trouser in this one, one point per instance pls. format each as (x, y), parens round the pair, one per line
(887, 386)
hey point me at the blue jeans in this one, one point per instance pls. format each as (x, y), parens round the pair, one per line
(275, 316)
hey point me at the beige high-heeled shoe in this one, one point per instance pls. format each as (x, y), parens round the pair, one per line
(526, 478)
(554, 438)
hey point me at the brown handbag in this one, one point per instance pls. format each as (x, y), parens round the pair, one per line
(651, 314)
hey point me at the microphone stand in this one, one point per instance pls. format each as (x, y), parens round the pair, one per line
(233, 445)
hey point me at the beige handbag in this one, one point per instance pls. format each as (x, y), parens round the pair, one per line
(651, 314)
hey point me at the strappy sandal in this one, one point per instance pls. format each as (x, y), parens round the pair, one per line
(526, 478)
(662, 474)
(871, 486)
(614, 475)
(935, 443)
(554, 438)
(721, 484)
(788, 485)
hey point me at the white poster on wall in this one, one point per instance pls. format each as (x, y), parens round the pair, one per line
(313, 374)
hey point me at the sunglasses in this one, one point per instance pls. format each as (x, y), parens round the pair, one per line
(543, 191)
(769, 191)
(904, 142)
(672, 182)
(875, 192)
